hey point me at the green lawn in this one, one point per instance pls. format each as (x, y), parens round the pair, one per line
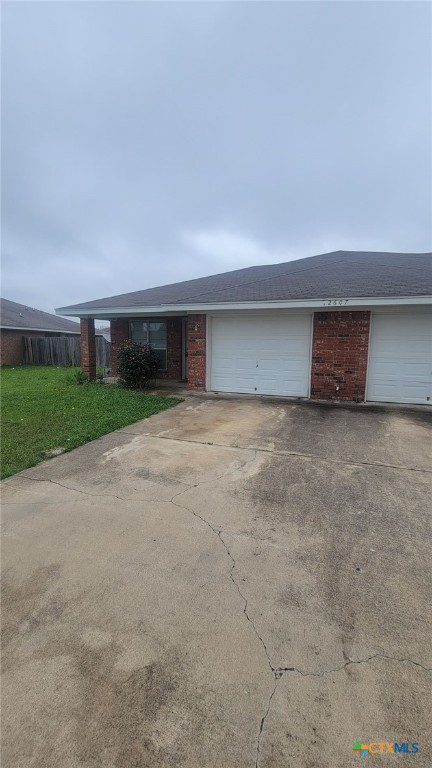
(43, 408)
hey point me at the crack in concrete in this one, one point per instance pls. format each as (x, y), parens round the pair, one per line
(297, 454)
(277, 672)
(69, 488)
(218, 532)
(245, 535)
(130, 498)
(263, 719)
(280, 671)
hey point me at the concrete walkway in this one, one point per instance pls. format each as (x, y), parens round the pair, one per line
(229, 584)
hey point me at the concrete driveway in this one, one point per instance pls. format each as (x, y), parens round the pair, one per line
(229, 584)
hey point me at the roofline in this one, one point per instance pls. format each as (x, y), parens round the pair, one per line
(44, 330)
(337, 302)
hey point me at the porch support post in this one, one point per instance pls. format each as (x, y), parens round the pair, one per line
(88, 347)
(119, 334)
(196, 350)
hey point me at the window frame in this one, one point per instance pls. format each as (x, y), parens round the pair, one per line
(147, 321)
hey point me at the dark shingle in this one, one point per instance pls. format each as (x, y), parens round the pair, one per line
(15, 315)
(341, 274)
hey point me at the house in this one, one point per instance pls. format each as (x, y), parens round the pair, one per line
(339, 326)
(17, 321)
(105, 331)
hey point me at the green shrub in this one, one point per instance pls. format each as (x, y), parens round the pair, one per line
(78, 377)
(137, 365)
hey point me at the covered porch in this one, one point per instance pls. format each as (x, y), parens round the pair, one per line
(178, 340)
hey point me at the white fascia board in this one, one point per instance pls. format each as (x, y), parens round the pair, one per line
(177, 309)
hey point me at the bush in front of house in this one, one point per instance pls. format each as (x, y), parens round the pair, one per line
(136, 364)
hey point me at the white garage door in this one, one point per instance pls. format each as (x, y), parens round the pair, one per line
(400, 358)
(261, 355)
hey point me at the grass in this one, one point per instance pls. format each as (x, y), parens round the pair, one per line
(44, 408)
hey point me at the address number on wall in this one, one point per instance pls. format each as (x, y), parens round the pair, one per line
(335, 302)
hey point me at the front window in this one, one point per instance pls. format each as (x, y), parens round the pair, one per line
(152, 332)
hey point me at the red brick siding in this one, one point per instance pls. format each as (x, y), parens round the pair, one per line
(120, 331)
(88, 347)
(12, 347)
(196, 347)
(339, 355)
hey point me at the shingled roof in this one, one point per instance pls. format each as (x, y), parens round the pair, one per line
(18, 316)
(347, 274)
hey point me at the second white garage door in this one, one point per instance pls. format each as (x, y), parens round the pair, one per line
(261, 355)
(400, 358)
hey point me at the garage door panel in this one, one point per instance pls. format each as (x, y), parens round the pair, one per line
(243, 363)
(397, 393)
(382, 391)
(391, 369)
(268, 384)
(223, 384)
(415, 391)
(261, 355)
(400, 358)
(412, 348)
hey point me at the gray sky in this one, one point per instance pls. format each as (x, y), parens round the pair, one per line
(147, 143)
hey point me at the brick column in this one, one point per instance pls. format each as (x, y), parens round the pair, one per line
(88, 347)
(174, 349)
(339, 355)
(119, 333)
(196, 351)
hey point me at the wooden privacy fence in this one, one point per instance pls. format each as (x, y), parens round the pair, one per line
(62, 350)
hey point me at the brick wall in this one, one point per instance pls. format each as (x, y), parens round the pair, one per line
(12, 347)
(196, 348)
(120, 332)
(88, 347)
(339, 355)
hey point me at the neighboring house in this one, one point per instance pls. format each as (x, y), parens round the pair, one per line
(105, 331)
(18, 321)
(343, 326)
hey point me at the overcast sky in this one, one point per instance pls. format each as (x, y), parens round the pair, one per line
(147, 143)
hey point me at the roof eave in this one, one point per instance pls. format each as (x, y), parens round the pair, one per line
(177, 309)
